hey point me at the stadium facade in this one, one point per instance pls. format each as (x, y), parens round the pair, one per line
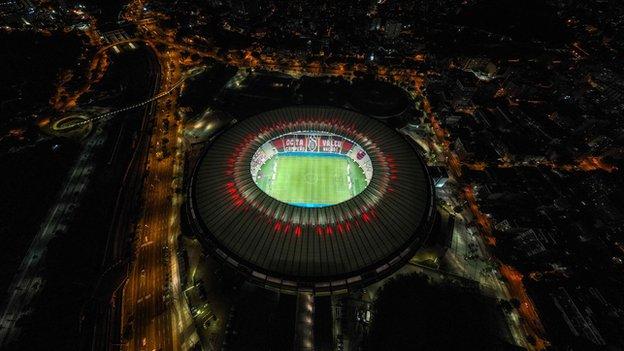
(309, 244)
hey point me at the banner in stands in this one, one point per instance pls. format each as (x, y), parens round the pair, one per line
(312, 143)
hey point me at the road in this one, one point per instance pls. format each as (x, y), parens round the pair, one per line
(106, 328)
(471, 255)
(152, 313)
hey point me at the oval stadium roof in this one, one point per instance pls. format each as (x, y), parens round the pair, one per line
(326, 249)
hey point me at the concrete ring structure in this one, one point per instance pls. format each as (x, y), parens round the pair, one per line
(328, 249)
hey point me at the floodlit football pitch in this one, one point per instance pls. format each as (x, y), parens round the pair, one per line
(311, 179)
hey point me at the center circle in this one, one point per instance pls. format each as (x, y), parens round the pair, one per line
(311, 168)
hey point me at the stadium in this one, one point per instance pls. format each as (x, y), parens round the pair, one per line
(315, 199)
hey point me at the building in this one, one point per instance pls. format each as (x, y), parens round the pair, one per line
(304, 246)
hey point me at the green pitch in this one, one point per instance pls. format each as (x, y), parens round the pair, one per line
(311, 180)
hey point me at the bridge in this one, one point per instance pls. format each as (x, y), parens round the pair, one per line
(189, 74)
